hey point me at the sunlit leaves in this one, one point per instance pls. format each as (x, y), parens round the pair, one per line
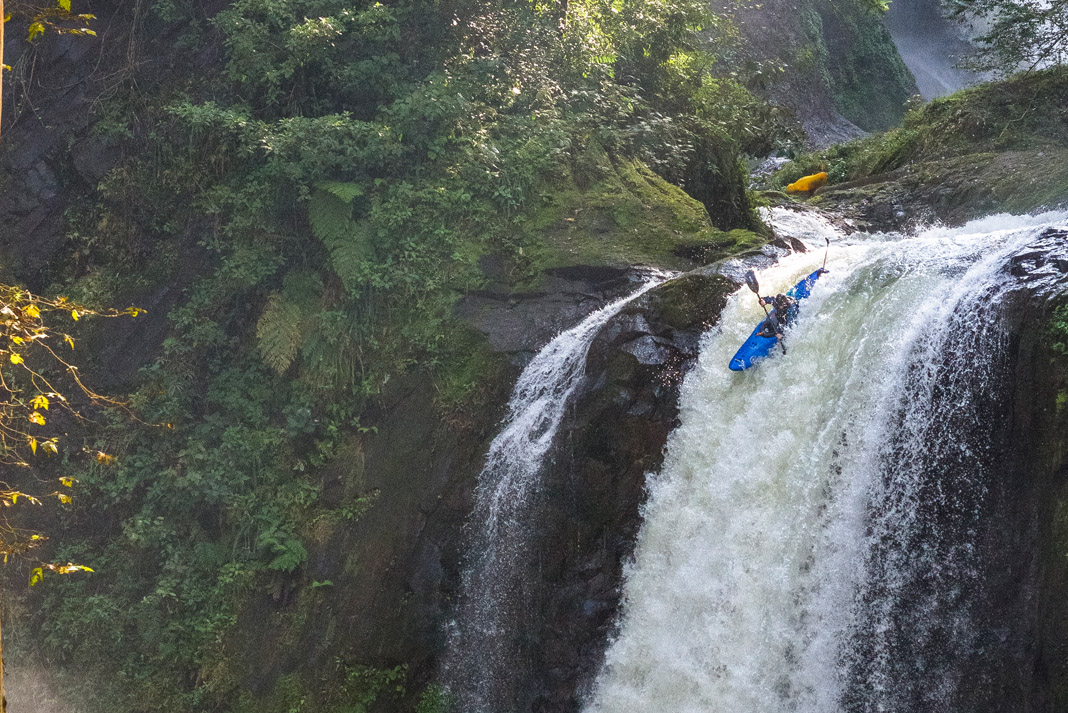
(37, 573)
(56, 18)
(40, 401)
(37, 418)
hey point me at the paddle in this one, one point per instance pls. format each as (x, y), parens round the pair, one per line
(825, 251)
(751, 281)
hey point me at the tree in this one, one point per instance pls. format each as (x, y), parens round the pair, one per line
(27, 377)
(1019, 34)
(33, 371)
(41, 16)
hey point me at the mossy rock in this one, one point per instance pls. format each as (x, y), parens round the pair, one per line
(618, 213)
(689, 302)
(955, 190)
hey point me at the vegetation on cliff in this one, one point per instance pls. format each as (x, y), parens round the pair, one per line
(995, 147)
(320, 192)
(310, 186)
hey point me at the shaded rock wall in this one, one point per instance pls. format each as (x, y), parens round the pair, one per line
(842, 74)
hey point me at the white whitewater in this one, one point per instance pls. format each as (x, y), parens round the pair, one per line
(482, 665)
(785, 522)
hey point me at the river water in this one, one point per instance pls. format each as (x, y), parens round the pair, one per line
(814, 540)
(483, 664)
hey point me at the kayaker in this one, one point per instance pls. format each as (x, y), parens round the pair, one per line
(786, 307)
(772, 326)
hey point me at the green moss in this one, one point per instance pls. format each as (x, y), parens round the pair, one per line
(869, 82)
(1026, 113)
(464, 368)
(995, 147)
(626, 216)
(683, 303)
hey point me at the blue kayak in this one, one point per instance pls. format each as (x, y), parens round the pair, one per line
(757, 348)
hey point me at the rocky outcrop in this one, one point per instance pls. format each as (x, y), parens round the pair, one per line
(587, 505)
(613, 438)
(953, 190)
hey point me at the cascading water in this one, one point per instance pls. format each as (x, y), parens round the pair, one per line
(819, 534)
(485, 662)
(931, 46)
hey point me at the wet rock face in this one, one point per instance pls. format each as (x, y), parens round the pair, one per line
(521, 323)
(594, 486)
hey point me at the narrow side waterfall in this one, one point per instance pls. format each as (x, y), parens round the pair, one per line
(821, 536)
(485, 661)
(931, 47)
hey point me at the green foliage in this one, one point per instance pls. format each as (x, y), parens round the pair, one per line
(316, 207)
(869, 81)
(1059, 329)
(435, 699)
(1016, 34)
(1025, 113)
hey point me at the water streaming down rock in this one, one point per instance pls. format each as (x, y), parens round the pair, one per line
(931, 46)
(485, 666)
(824, 533)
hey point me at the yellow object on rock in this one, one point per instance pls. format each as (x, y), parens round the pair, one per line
(807, 183)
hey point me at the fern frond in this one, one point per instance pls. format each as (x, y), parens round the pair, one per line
(349, 255)
(278, 332)
(349, 242)
(346, 192)
(329, 216)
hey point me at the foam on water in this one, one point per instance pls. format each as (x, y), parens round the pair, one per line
(783, 527)
(482, 665)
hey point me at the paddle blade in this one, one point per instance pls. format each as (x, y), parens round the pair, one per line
(751, 280)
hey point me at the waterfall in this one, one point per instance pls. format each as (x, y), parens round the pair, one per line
(484, 661)
(818, 537)
(931, 46)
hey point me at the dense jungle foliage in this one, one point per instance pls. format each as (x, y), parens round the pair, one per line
(321, 189)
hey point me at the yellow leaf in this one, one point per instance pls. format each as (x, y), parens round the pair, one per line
(63, 497)
(50, 446)
(64, 5)
(104, 458)
(39, 401)
(17, 340)
(37, 418)
(69, 340)
(16, 359)
(74, 314)
(14, 498)
(31, 311)
(36, 575)
(33, 445)
(69, 482)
